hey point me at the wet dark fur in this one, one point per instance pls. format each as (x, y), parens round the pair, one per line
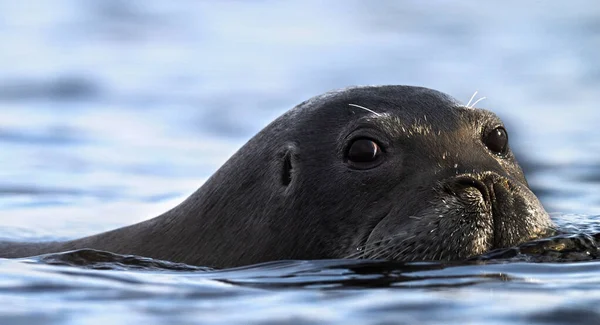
(289, 194)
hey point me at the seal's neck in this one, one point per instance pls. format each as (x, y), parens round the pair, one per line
(226, 222)
(237, 217)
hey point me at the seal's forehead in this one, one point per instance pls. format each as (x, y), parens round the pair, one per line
(381, 99)
(402, 105)
(406, 102)
(413, 109)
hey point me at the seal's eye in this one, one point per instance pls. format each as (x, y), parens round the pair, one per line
(362, 153)
(497, 141)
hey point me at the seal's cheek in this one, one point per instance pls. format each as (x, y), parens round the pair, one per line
(446, 229)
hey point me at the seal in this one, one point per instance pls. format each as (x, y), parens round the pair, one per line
(380, 172)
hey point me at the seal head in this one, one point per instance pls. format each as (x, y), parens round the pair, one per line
(413, 174)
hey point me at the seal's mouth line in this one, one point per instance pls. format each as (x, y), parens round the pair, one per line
(372, 226)
(363, 242)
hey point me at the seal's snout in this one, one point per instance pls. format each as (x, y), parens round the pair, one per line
(508, 207)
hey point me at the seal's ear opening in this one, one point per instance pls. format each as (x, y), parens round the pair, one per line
(286, 175)
(287, 165)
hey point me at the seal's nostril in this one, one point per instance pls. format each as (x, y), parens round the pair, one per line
(469, 181)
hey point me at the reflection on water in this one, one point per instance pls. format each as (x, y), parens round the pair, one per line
(300, 292)
(111, 112)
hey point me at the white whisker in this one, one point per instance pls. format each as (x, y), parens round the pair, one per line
(470, 100)
(366, 109)
(477, 101)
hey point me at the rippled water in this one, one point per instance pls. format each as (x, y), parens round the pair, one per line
(111, 112)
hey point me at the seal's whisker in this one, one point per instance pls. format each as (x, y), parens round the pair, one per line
(376, 242)
(374, 250)
(400, 253)
(470, 100)
(367, 249)
(380, 254)
(366, 109)
(477, 101)
(388, 249)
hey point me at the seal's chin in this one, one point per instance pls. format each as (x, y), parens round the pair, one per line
(467, 216)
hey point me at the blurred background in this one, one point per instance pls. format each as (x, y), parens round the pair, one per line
(113, 111)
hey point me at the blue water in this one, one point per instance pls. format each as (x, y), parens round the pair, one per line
(111, 112)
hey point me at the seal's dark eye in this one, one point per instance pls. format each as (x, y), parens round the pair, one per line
(363, 153)
(497, 141)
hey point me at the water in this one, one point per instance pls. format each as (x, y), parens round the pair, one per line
(111, 112)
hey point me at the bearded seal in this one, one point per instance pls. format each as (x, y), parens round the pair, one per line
(382, 172)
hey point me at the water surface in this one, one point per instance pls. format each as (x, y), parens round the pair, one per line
(111, 112)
